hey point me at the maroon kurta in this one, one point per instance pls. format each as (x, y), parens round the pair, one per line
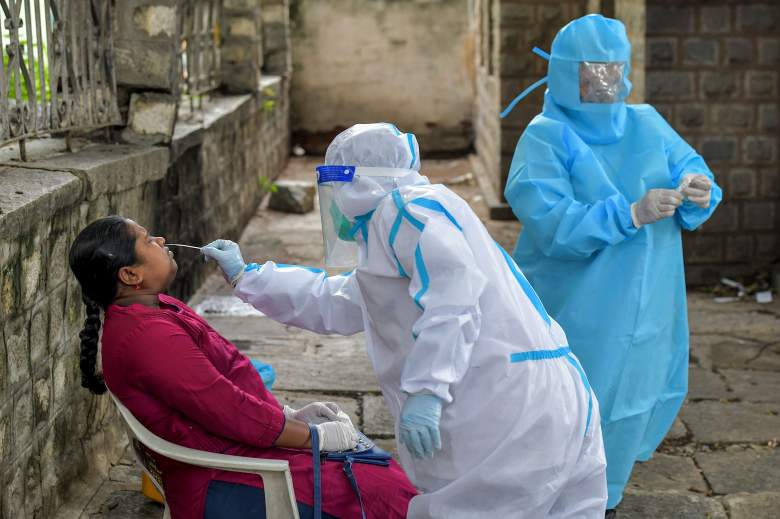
(189, 385)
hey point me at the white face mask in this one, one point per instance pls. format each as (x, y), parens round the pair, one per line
(602, 82)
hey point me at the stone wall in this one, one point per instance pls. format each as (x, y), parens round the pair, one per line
(712, 71)
(407, 62)
(204, 185)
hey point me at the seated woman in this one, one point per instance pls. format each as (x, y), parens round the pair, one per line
(189, 385)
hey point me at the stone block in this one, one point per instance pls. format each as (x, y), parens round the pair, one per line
(732, 116)
(151, 118)
(732, 422)
(661, 52)
(761, 505)
(700, 51)
(41, 395)
(664, 473)
(293, 196)
(671, 19)
(377, 419)
(762, 84)
(701, 248)
(739, 51)
(704, 384)
(716, 19)
(23, 420)
(30, 193)
(674, 85)
(57, 259)
(720, 84)
(769, 51)
(719, 149)
(741, 469)
(691, 116)
(670, 506)
(17, 346)
(739, 247)
(768, 117)
(758, 18)
(767, 247)
(770, 183)
(759, 149)
(39, 332)
(6, 432)
(742, 183)
(147, 64)
(110, 168)
(753, 386)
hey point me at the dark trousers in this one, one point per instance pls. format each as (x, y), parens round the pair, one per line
(235, 501)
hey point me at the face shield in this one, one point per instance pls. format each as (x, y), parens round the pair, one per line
(602, 82)
(347, 196)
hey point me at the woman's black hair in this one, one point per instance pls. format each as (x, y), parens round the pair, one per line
(98, 252)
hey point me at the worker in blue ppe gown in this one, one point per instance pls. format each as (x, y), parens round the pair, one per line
(494, 415)
(603, 190)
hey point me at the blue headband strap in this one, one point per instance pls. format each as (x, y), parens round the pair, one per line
(540, 52)
(522, 96)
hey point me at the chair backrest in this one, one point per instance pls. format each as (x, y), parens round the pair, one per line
(277, 481)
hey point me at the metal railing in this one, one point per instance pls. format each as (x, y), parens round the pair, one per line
(200, 48)
(58, 72)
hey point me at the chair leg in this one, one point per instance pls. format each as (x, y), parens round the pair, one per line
(279, 500)
(167, 513)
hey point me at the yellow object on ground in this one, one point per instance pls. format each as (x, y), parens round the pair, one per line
(149, 490)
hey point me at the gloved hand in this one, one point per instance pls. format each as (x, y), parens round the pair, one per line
(419, 425)
(697, 188)
(318, 412)
(227, 254)
(657, 204)
(337, 436)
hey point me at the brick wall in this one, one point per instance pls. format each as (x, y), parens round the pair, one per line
(712, 71)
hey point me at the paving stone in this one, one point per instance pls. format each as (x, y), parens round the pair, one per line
(678, 430)
(763, 505)
(729, 320)
(377, 419)
(741, 469)
(665, 472)
(753, 386)
(703, 384)
(125, 504)
(732, 422)
(669, 506)
(297, 400)
(716, 351)
(293, 196)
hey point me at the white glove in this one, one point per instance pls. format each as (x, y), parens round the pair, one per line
(657, 204)
(337, 436)
(318, 412)
(697, 188)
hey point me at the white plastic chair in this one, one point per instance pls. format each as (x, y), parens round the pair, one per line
(279, 493)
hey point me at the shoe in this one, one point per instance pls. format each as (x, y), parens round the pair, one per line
(610, 514)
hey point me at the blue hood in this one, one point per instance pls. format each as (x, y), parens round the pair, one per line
(590, 38)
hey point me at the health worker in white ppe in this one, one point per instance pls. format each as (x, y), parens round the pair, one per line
(494, 413)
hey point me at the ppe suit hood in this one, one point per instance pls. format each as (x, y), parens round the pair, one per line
(592, 38)
(377, 145)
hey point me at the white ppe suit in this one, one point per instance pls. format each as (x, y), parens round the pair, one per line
(446, 310)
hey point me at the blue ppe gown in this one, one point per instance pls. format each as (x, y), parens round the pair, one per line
(618, 291)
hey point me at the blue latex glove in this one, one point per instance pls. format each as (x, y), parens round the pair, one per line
(227, 254)
(419, 426)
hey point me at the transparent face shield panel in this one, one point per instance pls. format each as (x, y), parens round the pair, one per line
(341, 251)
(602, 82)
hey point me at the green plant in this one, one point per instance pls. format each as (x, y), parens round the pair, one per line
(34, 72)
(266, 185)
(269, 99)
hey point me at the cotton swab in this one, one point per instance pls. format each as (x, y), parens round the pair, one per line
(180, 245)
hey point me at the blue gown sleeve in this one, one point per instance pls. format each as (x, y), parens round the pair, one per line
(684, 160)
(540, 192)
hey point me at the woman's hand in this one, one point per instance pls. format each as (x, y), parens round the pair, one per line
(317, 413)
(337, 436)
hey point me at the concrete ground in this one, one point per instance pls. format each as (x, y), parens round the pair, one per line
(720, 460)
